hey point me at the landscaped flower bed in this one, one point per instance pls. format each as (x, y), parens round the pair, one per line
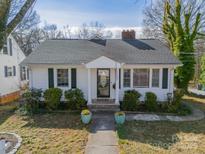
(151, 105)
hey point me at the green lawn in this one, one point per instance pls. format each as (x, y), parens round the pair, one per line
(164, 137)
(46, 133)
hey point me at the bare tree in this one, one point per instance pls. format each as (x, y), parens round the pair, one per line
(87, 31)
(153, 16)
(11, 14)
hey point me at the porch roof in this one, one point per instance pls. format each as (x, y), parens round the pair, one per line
(103, 62)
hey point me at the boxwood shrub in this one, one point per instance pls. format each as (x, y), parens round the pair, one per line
(31, 100)
(75, 99)
(151, 101)
(130, 100)
(52, 98)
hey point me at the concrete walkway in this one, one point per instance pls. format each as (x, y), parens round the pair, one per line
(196, 115)
(196, 91)
(103, 138)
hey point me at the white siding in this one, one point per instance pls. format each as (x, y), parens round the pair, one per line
(10, 84)
(39, 79)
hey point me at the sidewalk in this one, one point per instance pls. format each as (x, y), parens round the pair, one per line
(196, 115)
(103, 138)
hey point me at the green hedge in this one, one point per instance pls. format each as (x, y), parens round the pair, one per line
(52, 98)
(75, 99)
(151, 101)
(131, 100)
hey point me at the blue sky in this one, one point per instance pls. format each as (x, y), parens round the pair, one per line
(112, 13)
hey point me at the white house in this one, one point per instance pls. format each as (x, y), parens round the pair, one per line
(104, 69)
(12, 76)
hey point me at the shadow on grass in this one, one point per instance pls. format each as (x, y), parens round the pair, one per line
(162, 134)
(56, 121)
(6, 111)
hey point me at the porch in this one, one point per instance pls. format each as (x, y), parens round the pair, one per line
(103, 82)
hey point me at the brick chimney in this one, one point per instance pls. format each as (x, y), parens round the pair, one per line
(128, 34)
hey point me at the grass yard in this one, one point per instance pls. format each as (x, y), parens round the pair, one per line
(46, 133)
(164, 137)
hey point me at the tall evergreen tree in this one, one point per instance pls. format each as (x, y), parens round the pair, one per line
(180, 35)
(11, 16)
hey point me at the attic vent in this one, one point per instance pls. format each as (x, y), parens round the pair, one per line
(139, 44)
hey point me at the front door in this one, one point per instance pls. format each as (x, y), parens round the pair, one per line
(103, 82)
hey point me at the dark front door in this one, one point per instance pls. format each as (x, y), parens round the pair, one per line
(103, 82)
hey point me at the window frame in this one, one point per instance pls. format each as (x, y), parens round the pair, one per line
(3, 49)
(153, 78)
(9, 71)
(127, 69)
(68, 78)
(148, 78)
(23, 73)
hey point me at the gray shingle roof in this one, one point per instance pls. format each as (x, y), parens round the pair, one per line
(83, 51)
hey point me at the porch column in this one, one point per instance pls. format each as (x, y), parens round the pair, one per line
(117, 86)
(89, 86)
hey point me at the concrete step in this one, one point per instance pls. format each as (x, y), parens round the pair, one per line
(103, 101)
(104, 107)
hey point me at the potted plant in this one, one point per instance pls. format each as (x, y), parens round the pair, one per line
(86, 116)
(120, 117)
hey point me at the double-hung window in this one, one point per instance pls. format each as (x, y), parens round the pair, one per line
(23, 73)
(62, 77)
(155, 78)
(5, 49)
(141, 78)
(126, 78)
(9, 71)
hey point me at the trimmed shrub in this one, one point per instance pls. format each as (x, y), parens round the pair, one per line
(75, 99)
(177, 99)
(151, 101)
(31, 100)
(130, 100)
(52, 98)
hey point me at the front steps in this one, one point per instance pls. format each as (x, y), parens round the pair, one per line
(105, 105)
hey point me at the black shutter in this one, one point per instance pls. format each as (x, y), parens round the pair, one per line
(120, 78)
(27, 74)
(10, 47)
(5, 71)
(165, 78)
(14, 70)
(50, 78)
(73, 78)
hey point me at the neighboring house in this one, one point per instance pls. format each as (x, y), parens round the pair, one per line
(12, 76)
(104, 69)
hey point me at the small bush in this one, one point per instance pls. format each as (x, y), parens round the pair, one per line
(75, 99)
(85, 112)
(120, 114)
(52, 98)
(151, 101)
(177, 99)
(131, 100)
(31, 100)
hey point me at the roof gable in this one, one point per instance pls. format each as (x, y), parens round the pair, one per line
(103, 62)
